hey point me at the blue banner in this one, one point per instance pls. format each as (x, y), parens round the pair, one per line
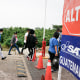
(70, 54)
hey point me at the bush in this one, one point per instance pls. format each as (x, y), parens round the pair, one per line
(7, 42)
(8, 32)
(20, 42)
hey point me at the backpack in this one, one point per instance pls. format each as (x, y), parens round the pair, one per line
(31, 41)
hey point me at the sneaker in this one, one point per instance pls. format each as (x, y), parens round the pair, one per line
(21, 53)
(28, 57)
(3, 58)
(9, 54)
(52, 70)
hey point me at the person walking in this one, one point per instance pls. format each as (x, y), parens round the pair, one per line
(31, 41)
(13, 43)
(2, 57)
(53, 46)
(25, 40)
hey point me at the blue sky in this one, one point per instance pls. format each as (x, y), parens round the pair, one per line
(30, 13)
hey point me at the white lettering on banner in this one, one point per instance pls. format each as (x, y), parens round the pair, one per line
(72, 19)
(77, 12)
(68, 16)
(70, 65)
(70, 13)
(70, 49)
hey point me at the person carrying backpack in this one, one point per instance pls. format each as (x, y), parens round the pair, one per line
(31, 42)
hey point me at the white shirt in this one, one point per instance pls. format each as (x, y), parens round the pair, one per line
(26, 34)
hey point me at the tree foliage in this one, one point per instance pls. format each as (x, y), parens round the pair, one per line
(57, 26)
(8, 32)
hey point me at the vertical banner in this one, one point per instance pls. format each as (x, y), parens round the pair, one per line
(70, 44)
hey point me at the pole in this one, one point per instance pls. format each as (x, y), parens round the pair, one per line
(59, 73)
(45, 19)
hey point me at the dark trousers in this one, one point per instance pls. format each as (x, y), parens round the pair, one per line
(25, 46)
(31, 52)
(52, 55)
(14, 45)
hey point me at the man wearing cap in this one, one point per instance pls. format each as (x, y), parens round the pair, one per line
(13, 43)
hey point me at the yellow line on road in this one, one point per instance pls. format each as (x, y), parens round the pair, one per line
(20, 69)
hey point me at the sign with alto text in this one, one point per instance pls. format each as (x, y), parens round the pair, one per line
(70, 44)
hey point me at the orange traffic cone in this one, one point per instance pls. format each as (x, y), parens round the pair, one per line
(34, 57)
(40, 62)
(48, 74)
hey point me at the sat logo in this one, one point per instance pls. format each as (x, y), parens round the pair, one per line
(70, 49)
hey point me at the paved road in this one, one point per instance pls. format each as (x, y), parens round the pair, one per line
(8, 68)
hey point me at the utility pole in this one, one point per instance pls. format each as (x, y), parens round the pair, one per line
(45, 19)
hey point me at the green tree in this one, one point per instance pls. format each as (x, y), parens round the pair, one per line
(8, 32)
(57, 26)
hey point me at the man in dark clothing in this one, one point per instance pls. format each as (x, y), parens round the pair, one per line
(13, 43)
(31, 42)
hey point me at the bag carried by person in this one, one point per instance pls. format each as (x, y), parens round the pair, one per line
(31, 41)
(55, 63)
